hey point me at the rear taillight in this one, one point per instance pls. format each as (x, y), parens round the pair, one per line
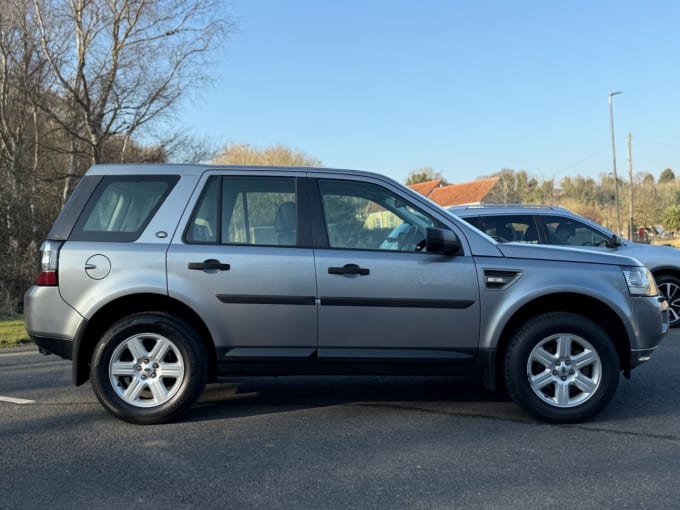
(49, 263)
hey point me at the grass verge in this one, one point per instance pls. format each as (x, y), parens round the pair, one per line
(13, 333)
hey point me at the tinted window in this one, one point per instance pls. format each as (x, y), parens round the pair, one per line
(515, 227)
(121, 207)
(367, 217)
(571, 232)
(246, 210)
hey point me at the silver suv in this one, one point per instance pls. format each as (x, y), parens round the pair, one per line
(156, 279)
(544, 224)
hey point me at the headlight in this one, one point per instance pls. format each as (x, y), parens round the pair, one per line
(640, 281)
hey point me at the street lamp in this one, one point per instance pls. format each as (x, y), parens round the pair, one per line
(616, 178)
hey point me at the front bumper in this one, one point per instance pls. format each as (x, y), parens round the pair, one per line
(650, 322)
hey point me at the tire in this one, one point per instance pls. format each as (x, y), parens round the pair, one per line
(561, 368)
(669, 286)
(149, 368)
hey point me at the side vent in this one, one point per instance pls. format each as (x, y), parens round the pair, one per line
(497, 280)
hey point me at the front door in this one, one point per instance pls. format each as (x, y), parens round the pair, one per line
(381, 296)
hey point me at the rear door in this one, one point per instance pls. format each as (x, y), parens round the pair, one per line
(244, 263)
(382, 298)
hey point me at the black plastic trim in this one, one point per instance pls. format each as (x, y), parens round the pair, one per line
(247, 299)
(456, 304)
(400, 367)
(273, 354)
(68, 216)
(62, 347)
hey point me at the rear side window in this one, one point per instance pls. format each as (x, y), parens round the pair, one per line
(121, 207)
(245, 210)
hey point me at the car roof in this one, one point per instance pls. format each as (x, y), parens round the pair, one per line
(199, 169)
(471, 210)
(483, 209)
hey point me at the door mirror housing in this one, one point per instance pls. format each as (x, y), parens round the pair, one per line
(616, 241)
(442, 241)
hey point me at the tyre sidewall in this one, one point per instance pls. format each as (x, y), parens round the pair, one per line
(529, 336)
(186, 341)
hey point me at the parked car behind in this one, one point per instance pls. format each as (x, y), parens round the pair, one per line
(542, 224)
(158, 278)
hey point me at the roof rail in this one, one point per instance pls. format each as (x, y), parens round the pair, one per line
(506, 206)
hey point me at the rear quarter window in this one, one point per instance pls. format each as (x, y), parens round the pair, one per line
(121, 207)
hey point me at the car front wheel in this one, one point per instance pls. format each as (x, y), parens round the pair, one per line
(149, 368)
(561, 368)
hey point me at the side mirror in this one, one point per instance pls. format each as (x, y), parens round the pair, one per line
(616, 241)
(442, 241)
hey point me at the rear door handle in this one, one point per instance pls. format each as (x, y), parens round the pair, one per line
(349, 269)
(209, 265)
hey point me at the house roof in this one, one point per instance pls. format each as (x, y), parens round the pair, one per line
(426, 187)
(467, 193)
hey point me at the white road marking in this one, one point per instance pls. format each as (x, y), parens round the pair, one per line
(15, 353)
(16, 400)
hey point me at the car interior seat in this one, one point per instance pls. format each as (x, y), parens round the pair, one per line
(285, 223)
(531, 235)
(506, 232)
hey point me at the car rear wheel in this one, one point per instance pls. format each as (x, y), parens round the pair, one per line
(149, 368)
(669, 286)
(561, 368)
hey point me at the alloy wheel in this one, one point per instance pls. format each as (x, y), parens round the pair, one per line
(564, 370)
(146, 370)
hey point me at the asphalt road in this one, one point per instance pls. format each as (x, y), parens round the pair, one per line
(336, 442)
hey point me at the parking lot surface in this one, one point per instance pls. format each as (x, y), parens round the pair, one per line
(336, 442)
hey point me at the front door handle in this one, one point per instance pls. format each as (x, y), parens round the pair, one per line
(349, 269)
(209, 265)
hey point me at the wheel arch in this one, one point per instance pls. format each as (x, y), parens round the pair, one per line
(578, 304)
(106, 316)
(666, 271)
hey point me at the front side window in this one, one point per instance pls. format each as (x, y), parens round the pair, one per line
(364, 216)
(121, 207)
(504, 228)
(245, 210)
(570, 232)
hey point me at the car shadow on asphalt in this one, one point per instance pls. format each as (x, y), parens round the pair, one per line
(243, 397)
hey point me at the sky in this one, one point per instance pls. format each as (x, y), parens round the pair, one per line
(465, 87)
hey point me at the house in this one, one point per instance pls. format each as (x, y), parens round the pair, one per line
(456, 194)
(426, 187)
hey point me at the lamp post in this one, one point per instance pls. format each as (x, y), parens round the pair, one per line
(631, 221)
(616, 178)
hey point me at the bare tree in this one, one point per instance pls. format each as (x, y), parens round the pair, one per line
(79, 81)
(22, 73)
(187, 148)
(666, 176)
(505, 191)
(423, 174)
(118, 65)
(275, 155)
